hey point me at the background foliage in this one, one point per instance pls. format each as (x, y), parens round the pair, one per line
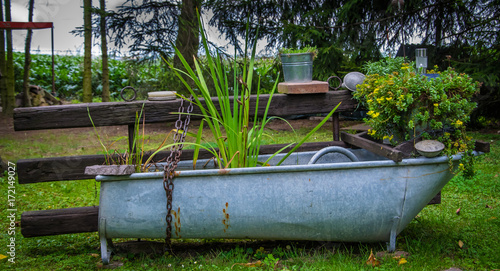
(143, 75)
(463, 34)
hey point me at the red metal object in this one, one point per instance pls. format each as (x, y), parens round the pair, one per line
(32, 25)
(25, 25)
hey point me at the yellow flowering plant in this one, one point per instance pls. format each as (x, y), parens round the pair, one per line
(404, 105)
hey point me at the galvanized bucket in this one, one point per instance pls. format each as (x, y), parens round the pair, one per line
(297, 68)
(332, 195)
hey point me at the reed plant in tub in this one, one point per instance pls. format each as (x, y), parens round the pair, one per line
(238, 137)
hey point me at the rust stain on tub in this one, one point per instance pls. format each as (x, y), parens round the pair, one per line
(176, 218)
(223, 171)
(225, 219)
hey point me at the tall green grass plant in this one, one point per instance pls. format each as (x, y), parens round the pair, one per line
(238, 139)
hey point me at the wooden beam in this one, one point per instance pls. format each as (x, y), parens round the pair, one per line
(482, 146)
(123, 113)
(59, 221)
(73, 167)
(358, 140)
(303, 88)
(396, 154)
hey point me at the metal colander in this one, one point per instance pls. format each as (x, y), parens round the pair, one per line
(352, 79)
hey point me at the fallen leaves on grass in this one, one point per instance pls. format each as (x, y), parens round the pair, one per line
(401, 260)
(460, 243)
(395, 255)
(372, 260)
(399, 256)
(252, 264)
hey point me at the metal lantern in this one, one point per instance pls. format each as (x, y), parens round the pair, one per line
(421, 59)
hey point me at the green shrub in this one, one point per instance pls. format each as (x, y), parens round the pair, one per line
(404, 105)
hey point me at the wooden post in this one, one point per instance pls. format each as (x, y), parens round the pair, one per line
(53, 73)
(131, 137)
(336, 126)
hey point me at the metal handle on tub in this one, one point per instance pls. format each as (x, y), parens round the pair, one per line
(334, 149)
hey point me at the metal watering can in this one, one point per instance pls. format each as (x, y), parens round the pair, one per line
(350, 81)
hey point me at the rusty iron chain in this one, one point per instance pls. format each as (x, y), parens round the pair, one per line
(181, 127)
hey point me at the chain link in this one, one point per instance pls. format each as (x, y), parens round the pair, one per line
(181, 127)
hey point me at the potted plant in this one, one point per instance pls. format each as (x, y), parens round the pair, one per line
(116, 163)
(298, 64)
(404, 105)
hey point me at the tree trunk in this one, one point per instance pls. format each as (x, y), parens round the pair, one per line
(439, 25)
(27, 60)
(104, 53)
(3, 86)
(87, 59)
(188, 35)
(10, 98)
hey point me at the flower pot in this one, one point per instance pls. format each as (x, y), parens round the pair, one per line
(297, 68)
(331, 195)
(431, 75)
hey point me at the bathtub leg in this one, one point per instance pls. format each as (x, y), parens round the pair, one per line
(391, 247)
(106, 243)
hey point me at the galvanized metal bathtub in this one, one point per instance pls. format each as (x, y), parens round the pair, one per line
(332, 195)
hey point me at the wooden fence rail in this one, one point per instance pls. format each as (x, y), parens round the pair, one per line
(73, 167)
(123, 113)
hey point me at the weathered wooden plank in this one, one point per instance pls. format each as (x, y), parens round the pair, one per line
(59, 221)
(303, 88)
(73, 167)
(362, 127)
(123, 113)
(408, 147)
(482, 146)
(56, 168)
(359, 141)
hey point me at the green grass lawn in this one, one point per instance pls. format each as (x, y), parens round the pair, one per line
(439, 238)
